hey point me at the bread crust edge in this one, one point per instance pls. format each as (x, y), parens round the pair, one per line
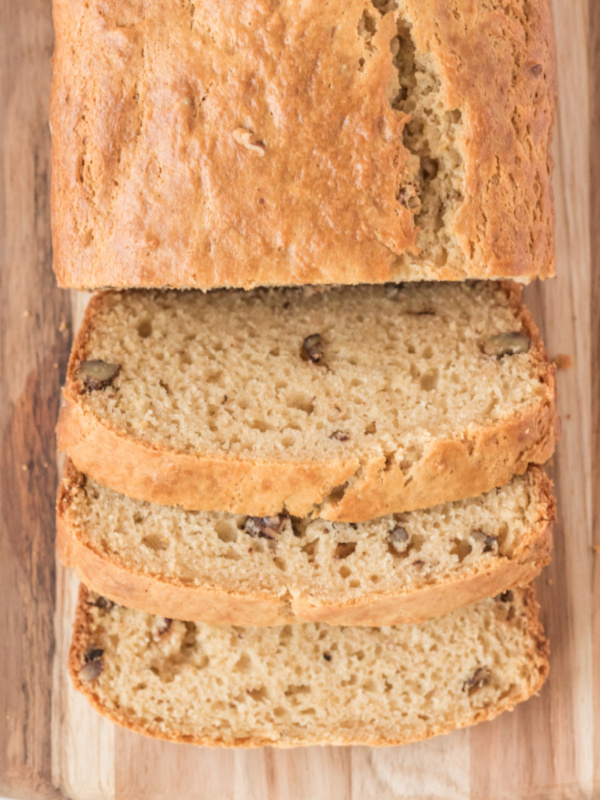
(110, 576)
(352, 489)
(539, 656)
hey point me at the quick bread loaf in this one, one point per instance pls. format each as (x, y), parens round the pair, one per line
(223, 568)
(201, 145)
(306, 413)
(348, 403)
(310, 684)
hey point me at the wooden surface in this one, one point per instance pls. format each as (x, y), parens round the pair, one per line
(51, 743)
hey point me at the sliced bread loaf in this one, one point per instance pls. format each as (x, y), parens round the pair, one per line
(224, 568)
(199, 145)
(350, 403)
(310, 684)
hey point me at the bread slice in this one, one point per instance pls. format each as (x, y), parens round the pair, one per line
(310, 684)
(348, 403)
(196, 146)
(229, 569)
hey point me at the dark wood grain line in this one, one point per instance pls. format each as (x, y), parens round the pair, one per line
(34, 345)
(594, 98)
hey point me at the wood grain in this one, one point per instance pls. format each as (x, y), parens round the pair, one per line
(548, 749)
(34, 345)
(594, 198)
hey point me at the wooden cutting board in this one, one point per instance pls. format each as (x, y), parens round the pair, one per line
(51, 743)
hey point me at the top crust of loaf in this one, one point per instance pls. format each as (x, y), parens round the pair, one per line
(197, 145)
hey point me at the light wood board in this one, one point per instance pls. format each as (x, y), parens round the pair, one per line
(51, 743)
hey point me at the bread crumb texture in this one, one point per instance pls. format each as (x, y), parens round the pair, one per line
(226, 371)
(207, 145)
(306, 568)
(307, 684)
(346, 382)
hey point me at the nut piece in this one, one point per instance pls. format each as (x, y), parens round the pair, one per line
(510, 343)
(264, 527)
(479, 678)
(312, 349)
(160, 627)
(505, 597)
(102, 602)
(92, 667)
(97, 374)
(396, 539)
(341, 436)
(397, 535)
(489, 543)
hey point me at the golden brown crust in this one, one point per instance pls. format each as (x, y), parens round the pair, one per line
(437, 599)
(448, 469)
(144, 125)
(453, 469)
(122, 174)
(539, 672)
(213, 604)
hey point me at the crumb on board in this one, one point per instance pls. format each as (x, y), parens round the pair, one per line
(563, 361)
(62, 326)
